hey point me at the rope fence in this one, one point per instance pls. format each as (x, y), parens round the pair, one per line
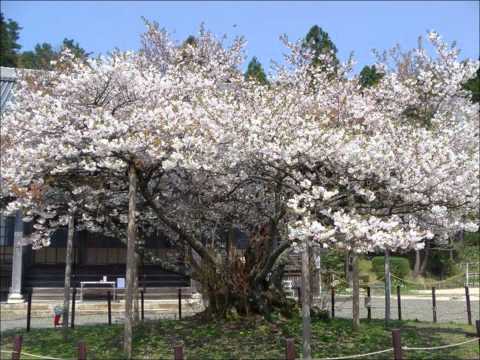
(32, 355)
(290, 349)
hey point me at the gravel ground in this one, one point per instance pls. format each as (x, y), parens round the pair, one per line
(412, 309)
(82, 319)
(417, 308)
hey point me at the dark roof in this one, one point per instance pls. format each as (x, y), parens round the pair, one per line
(8, 77)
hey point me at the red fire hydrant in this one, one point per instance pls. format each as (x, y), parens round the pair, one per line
(57, 311)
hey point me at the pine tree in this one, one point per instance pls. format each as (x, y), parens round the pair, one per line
(319, 42)
(9, 34)
(255, 72)
(369, 76)
(473, 85)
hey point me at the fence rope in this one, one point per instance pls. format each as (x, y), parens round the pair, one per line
(356, 356)
(406, 348)
(428, 283)
(33, 355)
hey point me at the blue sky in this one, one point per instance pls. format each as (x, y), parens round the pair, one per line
(358, 26)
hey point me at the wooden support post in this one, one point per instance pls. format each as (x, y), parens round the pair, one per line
(109, 307)
(180, 304)
(333, 302)
(29, 309)
(74, 296)
(397, 344)
(299, 296)
(477, 324)
(82, 351)
(142, 306)
(434, 305)
(369, 307)
(178, 352)
(469, 309)
(17, 347)
(399, 303)
(290, 349)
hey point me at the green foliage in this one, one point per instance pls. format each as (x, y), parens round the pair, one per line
(9, 35)
(364, 266)
(473, 85)
(44, 54)
(398, 266)
(245, 338)
(369, 76)
(333, 261)
(320, 43)
(255, 72)
(441, 265)
(40, 58)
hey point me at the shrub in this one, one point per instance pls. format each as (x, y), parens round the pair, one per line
(399, 266)
(364, 266)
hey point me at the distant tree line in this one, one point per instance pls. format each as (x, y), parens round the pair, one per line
(317, 40)
(40, 57)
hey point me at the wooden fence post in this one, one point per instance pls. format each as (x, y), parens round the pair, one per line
(180, 304)
(178, 352)
(109, 307)
(333, 302)
(434, 305)
(477, 323)
(29, 309)
(74, 295)
(397, 344)
(142, 306)
(369, 307)
(399, 303)
(469, 309)
(82, 351)
(17, 347)
(290, 349)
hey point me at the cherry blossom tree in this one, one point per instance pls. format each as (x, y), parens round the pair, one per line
(311, 158)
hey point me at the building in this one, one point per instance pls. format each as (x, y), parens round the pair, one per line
(42, 271)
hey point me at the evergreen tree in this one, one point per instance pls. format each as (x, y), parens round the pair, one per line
(255, 72)
(473, 85)
(43, 54)
(78, 51)
(320, 43)
(369, 76)
(9, 34)
(39, 58)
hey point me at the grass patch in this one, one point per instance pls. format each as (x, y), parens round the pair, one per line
(247, 339)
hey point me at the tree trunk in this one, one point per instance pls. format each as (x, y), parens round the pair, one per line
(356, 293)
(418, 262)
(68, 272)
(136, 306)
(130, 271)
(312, 272)
(348, 273)
(388, 286)
(307, 326)
(423, 267)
